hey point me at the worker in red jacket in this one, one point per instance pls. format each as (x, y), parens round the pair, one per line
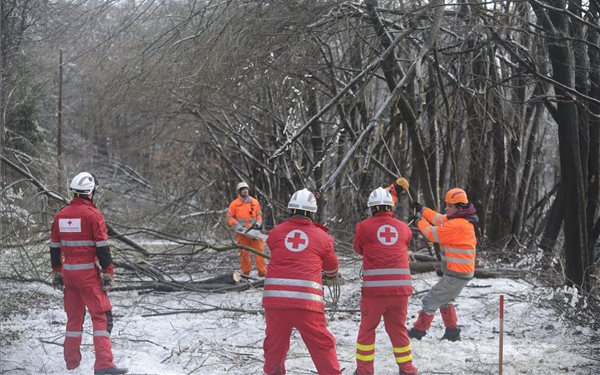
(383, 240)
(301, 251)
(455, 232)
(82, 266)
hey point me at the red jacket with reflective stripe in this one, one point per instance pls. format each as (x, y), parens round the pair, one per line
(457, 240)
(383, 241)
(300, 251)
(78, 229)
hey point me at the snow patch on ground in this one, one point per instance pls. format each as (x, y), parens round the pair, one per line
(230, 342)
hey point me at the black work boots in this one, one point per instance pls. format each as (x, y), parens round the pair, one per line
(452, 334)
(414, 333)
(111, 371)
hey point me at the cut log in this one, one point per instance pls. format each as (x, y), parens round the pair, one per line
(422, 267)
(228, 278)
(223, 283)
(424, 258)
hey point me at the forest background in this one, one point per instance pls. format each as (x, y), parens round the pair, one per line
(172, 103)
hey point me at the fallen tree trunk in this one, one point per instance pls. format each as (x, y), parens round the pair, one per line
(218, 284)
(424, 258)
(422, 267)
(480, 273)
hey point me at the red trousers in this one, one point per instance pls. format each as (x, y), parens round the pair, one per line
(83, 289)
(245, 261)
(393, 309)
(311, 325)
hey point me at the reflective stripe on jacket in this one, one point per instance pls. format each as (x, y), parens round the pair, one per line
(244, 213)
(300, 251)
(383, 241)
(457, 240)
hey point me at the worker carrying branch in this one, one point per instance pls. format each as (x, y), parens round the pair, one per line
(455, 232)
(244, 214)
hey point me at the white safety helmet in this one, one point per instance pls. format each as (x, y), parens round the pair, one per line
(242, 185)
(380, 197)
(303, 200)
(83, 183)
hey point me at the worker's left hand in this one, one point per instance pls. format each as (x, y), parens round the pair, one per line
(107, 281)
(257, 225)
(57, 280)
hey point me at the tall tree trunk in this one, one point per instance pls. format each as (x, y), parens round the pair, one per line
(500, 225)
(3, 78)
(477, 127)
(317, 146)
(572, 181)
(593, 199)
(434, 135)
(554, 219)
(520, 118)
(529, 164)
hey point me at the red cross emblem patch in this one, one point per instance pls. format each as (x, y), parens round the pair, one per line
(296, 240)
(387, 235)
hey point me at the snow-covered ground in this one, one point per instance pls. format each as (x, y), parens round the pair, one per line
(536, 340)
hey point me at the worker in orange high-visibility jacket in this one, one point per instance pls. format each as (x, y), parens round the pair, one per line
(455, 232)
(383, 240)
(301, 255)
(244, 214)
(82, 266)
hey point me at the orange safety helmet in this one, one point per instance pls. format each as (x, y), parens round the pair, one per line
(456, 195)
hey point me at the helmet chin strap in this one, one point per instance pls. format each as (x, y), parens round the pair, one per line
(381, 208)
(89, 197)
(303, 213)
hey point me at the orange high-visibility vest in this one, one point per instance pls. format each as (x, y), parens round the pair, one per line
(457, 240)
(244, 212)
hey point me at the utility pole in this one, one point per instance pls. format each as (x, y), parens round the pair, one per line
(60, 176)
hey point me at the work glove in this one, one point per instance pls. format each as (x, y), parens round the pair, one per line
(417, 206)
(403, 183)
(107, 281)
(57, 280)
(239, 227)
(257, 225)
